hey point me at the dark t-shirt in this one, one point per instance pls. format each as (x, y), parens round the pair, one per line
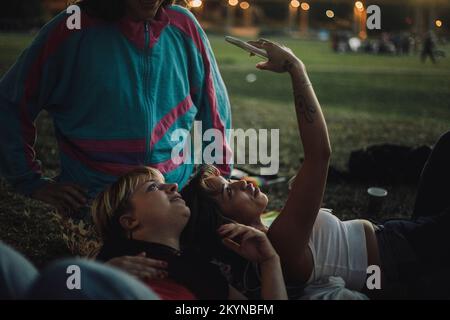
(186, 268)
(245, 276)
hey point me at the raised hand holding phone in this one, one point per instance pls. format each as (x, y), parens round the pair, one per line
(247, 47)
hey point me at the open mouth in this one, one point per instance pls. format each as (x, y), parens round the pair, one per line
(251, 188)
(176, 198)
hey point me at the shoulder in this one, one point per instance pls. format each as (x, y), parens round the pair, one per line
(183, 19)
(56, 32)
(182, 13)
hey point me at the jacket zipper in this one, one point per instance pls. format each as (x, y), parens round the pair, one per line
(148, 106)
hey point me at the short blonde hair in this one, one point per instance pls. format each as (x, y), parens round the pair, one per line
(114, 201)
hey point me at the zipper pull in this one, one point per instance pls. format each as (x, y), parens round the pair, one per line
(146, 27)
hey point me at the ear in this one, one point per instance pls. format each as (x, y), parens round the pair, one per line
(128, 222)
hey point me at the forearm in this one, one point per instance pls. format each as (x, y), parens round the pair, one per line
(311, 122)
(272, 281)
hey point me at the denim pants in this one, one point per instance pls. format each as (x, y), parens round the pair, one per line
(19, 279)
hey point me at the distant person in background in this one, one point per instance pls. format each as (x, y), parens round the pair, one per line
(429, 47)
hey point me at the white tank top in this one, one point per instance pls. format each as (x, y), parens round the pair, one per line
(338, 249)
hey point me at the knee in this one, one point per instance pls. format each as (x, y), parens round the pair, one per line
(443, 143)
(445, 138)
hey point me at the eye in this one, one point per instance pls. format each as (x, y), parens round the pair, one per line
(152, 187)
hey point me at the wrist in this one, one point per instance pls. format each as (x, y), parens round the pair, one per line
(300, 77)
(270, 261)
(296, 66)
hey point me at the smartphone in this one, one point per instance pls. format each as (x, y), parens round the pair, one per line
(247, 47)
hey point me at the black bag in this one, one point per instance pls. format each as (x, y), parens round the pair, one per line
(388, 163)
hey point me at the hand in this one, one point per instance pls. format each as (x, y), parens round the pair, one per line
(65, 197)
(141, 267)
(281, 58)
(250, 243)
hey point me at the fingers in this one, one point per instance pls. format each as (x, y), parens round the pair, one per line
(66, 197)
(256, 44)
(75, 186)
(69, 201)
(230, 244)
(141, 267)
(148, 262)
(248, 234)
(234, 230)
(262, 43)
(146, 273)
(263, 65)
(77, 193)
(231, 231)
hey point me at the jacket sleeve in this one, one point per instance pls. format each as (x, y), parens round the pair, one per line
(24, 91)
(212, 100)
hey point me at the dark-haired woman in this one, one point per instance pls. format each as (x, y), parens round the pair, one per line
(329, 256)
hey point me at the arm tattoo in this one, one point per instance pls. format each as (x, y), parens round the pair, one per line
(308, 111)
(303, 108)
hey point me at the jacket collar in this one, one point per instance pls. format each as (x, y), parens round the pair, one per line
(134, 31)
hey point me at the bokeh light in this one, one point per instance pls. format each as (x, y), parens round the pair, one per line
(330, 14)
(196, 3)
(359, 5)
(244, 5)
(305, 6)
(295, 4)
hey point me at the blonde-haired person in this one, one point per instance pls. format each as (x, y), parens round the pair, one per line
(141, 215)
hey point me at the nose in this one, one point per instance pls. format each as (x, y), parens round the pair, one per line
(241, 184)
(170, 187)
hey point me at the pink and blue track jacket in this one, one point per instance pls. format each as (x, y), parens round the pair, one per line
(116, 92)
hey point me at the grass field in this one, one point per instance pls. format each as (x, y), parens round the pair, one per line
(366, 100)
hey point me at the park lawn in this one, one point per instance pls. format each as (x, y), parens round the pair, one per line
(366, 100)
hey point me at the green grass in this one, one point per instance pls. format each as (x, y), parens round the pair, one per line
(366, 100)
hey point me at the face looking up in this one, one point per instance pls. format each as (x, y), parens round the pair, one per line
(238, 200)
(157, 207)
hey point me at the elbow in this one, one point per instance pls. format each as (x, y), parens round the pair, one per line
(326, 153)
(323, 154)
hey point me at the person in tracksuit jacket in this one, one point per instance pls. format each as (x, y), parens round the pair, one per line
(116, 89)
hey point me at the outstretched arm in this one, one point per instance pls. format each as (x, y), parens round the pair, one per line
(291, 231)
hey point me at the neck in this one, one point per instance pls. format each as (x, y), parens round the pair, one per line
(257, 224)
(172, 240)
(148, 17)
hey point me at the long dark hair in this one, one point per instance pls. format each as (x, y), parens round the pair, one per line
(111, 10)
(206, 217)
